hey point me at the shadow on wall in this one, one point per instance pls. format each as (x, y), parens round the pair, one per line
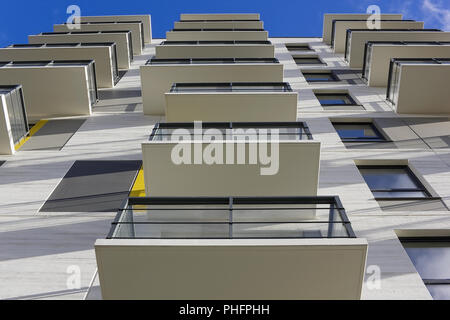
(66, 237)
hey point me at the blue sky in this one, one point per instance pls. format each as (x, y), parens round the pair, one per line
(281, 18)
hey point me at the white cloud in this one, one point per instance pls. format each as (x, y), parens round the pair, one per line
(435, 13)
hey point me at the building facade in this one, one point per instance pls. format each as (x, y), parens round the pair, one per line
(96, 207)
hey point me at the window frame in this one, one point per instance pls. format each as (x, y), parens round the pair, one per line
(420, 186)
(346, 94)
(380, 136)
(427, 281)
(320, 63)
(332, 74)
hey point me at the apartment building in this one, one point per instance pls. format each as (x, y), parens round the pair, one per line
(354, 206)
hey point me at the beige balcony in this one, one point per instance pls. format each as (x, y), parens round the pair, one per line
(144, 18)
(137, 35)
(13, 119)
(215, 102)
(293, 171)
(340, 27)
(226, 24)
(416, 86)
(215, 49)
(53, 89)
(104, 54)
(158, 75)
(122, 39)
(231, 248)
(329, 17)
(218, 16)
(216, 35)
(357, 39)
(379, 55)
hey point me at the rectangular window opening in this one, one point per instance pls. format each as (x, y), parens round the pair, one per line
(313, 76)
(393, 182)
(336, 99)
(431, 258)
(358, 132)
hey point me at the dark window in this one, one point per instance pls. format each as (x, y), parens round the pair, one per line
(393, 182)
(298, 47)
(431, 257)
(335, 99)
(307, 60)
(358, 132)
(320, 76)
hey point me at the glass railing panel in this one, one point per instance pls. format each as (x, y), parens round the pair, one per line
(286, 213)
(234, 132)
(201, 88)
(25, 64)
(156, 61)
(298, 217)
(227, 230)
(212, 42)
(231, 87)
(289, 230)
(367, 61)
(168, 61)
(16, 114)
(114, 63)
(172, 231)
(130, 46)
(348, 42)
(169, 214)
(21, 129)
(57, 45)
(265, 88)
(221, 20)
(395, 81)
(443, 60)
(211, 61)
(92, 83)
(217, 29)
(25, 46)
(416, 61)
(256, 60)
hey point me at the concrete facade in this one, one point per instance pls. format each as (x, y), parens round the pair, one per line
(39, 250)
